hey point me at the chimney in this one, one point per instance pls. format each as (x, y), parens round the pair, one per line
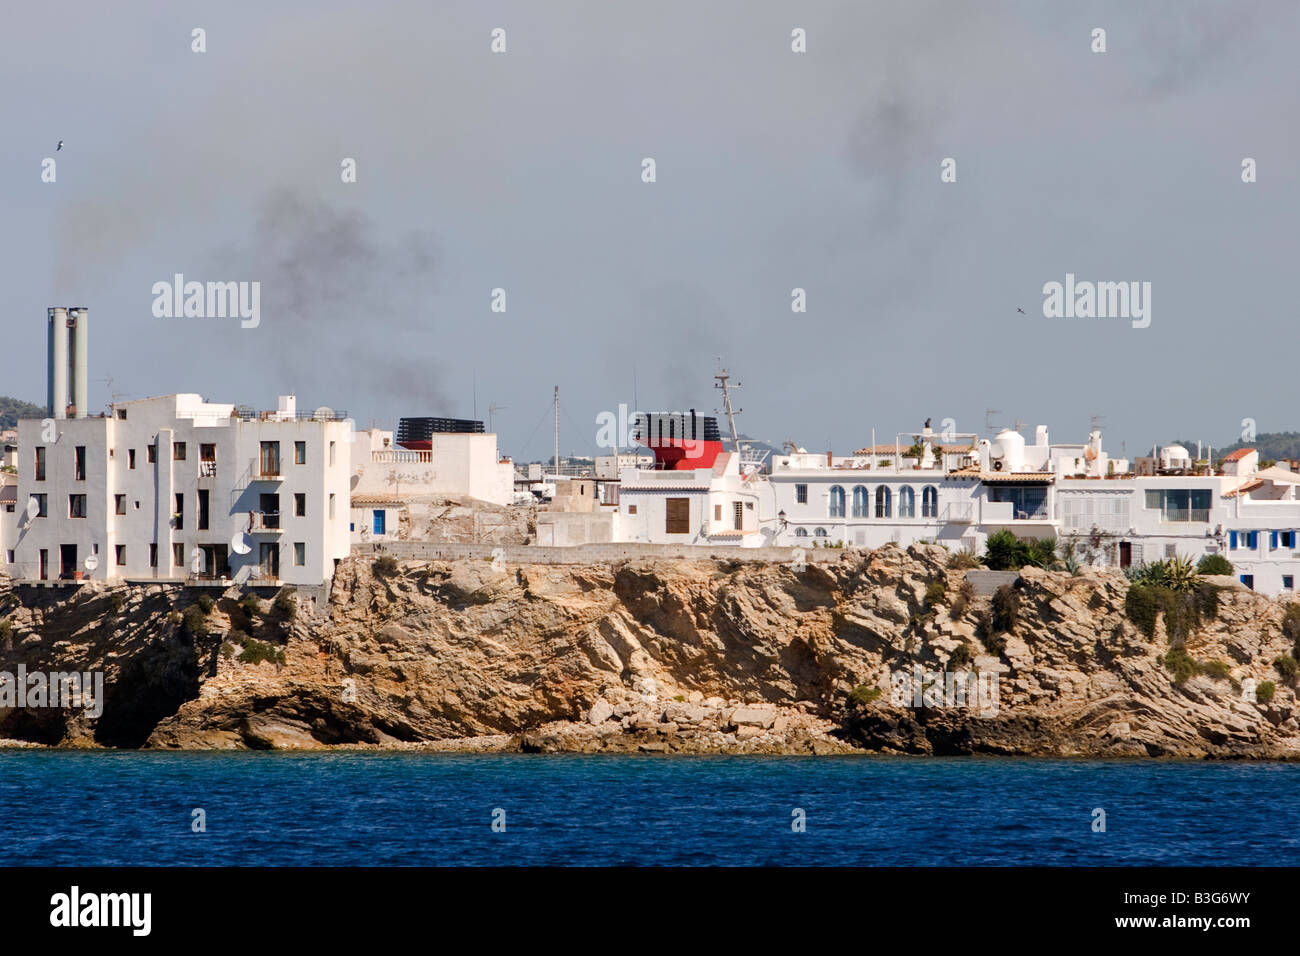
(79, 323)
(57, 366)
(828, 460)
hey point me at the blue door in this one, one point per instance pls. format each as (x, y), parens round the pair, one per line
(379, 522)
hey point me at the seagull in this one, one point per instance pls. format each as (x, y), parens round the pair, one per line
(1021, 311)
(59, 147)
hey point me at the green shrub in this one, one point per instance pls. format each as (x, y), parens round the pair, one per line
(1264, 692)
(961, 656)
(962, 561)
(195, 622)
(236, 636)
(384, 566)
(116, 601)
(286, 604)
(1214, 564)
(934, 593)
(250, 605)
(1217, 669)
(1006, 608)
(862, 694)
(255, 652)
(1182, 664)
(1291, 624)
(1183, 610)
(6, 630)
(1005, 552)
(206, 603)
(1288, 668)
(227, 650)
(1042, 553)
(1142, 606)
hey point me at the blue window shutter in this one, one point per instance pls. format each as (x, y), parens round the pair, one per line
(1232, 540)
(1272, 540)
(1254, 540)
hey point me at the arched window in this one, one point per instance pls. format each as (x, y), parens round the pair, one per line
(837, 502)
(882, 502)
(929, 502)
(861, 503)
(801, 532)
(820, 532)
(906, 502)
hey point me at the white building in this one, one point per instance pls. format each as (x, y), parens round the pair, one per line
(959, 492)
(178, 489)
(457, 464)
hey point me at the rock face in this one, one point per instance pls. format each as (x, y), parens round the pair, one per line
(706, 656)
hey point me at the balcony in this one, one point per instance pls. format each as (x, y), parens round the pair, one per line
(207, 469)
(959, 512)
(400, 456)
(264, 522)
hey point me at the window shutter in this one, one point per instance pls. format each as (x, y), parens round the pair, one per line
(1232, 540)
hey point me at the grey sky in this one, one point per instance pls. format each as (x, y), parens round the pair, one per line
(775, 170)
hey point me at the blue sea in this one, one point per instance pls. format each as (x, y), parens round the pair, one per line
(107, 808)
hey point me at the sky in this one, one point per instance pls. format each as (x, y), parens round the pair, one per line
(775, 170)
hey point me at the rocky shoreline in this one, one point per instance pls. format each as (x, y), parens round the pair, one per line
(701, 657)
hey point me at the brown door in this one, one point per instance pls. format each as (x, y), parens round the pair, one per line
(1125, 554)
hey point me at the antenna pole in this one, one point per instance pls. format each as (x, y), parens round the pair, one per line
(557, 429)
(723, 377)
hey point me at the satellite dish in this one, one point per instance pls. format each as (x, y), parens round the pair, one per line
(91, 562)
(33, 508)
(239, 543)
(323, 412)
(196, 560)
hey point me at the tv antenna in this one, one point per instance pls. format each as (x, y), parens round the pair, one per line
(723, 378)
(493, 408)
(988, 417)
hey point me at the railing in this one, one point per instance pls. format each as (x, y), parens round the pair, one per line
(248, 413)
(401, 456)
(264, 521)
(207, 469)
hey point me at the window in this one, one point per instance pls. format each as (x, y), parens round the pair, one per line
(300, 453)
(1027, 501)
(178, 451)
(1244, 540)
(929, 502)
(677, 516)
(203, 509)
(1287, 538)
(179, 513)
(299, 504)
(41, 500)
(380, 521)
(121, 414)
(299, 553)
(801, 532)
(207, 452)
(906, 502)
(717, 512)
(151, 453)
(119, 554)
(76, 506)
(153, 554)
(883, 506)
(820, 532)
(1288, 582)
(119, 504)
(270, 460)
(80, 462)
(178, 554)
(861, 502)
(801, 494)
(40, 462)
(738, 515)
(331, 506)
(130, 458)
(331, 454)
(631, 509)
(1248, 580)
(836, 502)
(1180, 504)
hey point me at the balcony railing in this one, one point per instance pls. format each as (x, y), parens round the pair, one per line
(960, 511)
(207, 469)
(400, 456)
(264, 521)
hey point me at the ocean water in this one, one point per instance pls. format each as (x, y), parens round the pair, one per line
(107, 808)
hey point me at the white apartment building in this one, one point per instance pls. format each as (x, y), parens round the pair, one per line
(460, 464)
(960, 491)
(179, 489)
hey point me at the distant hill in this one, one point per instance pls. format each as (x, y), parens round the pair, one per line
(1270, 445)
(12, 409)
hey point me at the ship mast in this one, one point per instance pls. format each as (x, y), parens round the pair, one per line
(723, 377)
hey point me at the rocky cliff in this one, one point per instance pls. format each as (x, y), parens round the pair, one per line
(707, 656)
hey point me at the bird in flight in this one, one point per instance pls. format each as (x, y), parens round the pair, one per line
(1021, 311)
(59, 147)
